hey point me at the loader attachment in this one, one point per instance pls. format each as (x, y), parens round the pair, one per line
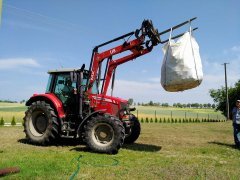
(176, 27)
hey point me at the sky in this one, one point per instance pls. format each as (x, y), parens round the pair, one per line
(36, 36)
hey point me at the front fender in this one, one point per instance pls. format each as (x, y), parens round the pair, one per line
(51, 99)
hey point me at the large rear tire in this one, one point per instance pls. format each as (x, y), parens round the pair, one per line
(135, 131)
(41, 123)
(104, 134)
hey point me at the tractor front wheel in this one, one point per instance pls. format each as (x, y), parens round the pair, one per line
(135, 130)
(40, 123)
(104, 134)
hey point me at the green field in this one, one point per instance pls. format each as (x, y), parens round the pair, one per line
(163, 151)
(167, 112)
(8, 110)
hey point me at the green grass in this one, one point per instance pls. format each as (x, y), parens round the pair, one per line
(163, 151)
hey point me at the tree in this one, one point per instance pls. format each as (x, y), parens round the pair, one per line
(13, 122)
(1, 121)
(219, 97)
(130, 101)
(165, 104)
(209, 105)
(22, 101)
(150, 103)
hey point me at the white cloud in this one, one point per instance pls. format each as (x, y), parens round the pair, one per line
(18, 63)
(155, 79)
(236, 48)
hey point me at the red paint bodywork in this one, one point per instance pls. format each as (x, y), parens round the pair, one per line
(52, 98)
(109, 104)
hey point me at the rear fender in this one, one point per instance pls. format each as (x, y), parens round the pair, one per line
(51, 99)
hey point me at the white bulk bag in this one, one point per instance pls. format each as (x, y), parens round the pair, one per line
(181, 67)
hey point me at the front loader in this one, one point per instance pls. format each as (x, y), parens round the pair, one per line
(76, 104)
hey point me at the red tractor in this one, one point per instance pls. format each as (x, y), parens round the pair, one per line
(76, 104)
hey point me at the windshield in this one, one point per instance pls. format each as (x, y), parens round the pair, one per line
(48, 89)
(94, 87)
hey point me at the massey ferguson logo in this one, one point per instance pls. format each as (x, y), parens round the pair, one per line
(112, 51)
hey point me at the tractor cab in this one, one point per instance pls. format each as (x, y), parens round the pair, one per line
(62, 84)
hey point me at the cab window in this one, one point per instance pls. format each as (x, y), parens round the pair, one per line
(64, 87)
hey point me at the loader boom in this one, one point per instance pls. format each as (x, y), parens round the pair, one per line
(139, 46)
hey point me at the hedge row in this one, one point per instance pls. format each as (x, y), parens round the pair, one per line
(169, 120)
(149, 120)
(13, 122)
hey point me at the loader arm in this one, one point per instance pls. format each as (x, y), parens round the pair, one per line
(145, 39)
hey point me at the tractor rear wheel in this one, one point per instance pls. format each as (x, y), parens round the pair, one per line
(40, 123)
(104, 134)
(135, 130)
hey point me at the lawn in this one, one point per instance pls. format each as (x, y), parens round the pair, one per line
(163, 151)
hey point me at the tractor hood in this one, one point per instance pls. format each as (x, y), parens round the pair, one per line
(110, 99)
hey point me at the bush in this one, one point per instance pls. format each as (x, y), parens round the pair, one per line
(160, 120)
(142, 120)
(164, 119)
(176, 120)
(168, 120)
(156, 120)
(13, 122)
(1, 121)
(151, 120)
(147, 120)
(180, 120)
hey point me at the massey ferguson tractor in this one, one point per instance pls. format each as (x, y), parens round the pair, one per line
(76, 104)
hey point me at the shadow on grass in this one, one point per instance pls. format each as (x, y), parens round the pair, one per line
(133, 147)
(224, 144)
(81, 149)
(142, 147)
(60, 142)
(78, 143)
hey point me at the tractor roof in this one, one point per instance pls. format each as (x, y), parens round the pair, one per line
(62, 70)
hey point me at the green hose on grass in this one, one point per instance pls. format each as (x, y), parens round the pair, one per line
(75, 173)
